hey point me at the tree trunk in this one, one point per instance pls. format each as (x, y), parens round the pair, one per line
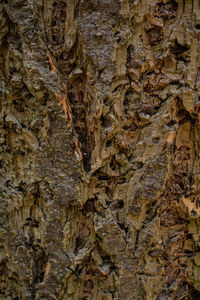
(99, 149)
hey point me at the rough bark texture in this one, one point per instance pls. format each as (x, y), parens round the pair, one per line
(99, 120)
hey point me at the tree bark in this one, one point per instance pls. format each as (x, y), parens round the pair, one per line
(99, 120)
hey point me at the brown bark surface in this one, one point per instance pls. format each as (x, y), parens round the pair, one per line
(99, 149)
